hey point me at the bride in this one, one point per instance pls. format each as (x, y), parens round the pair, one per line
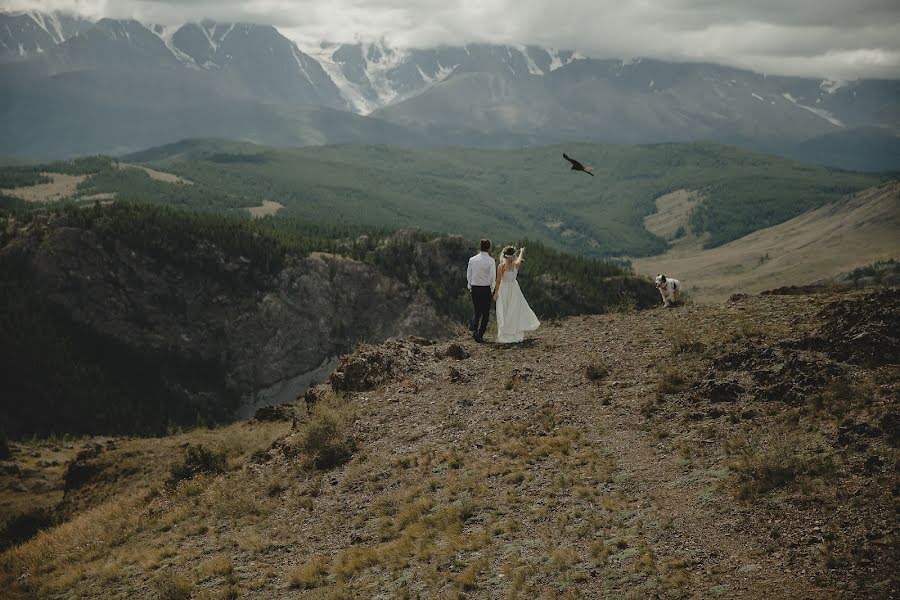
(514, 316)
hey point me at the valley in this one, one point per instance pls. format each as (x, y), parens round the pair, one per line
(234, 310)
(507, 194)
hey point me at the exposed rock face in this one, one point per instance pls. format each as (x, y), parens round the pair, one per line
(227, 327)
(369, 367)
(863, 330)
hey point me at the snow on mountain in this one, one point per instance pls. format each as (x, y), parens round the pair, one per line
(24, 34)
(819, 112)
(373, 75)
(166, 33)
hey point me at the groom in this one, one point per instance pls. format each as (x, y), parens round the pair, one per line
(481, 277)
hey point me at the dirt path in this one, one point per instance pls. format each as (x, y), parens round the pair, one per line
(683, 519)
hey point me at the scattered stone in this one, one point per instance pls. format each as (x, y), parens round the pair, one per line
(863, 330)
(720, 391)
(454, 350)
(314, 394)
(275, 412)
(458, 376)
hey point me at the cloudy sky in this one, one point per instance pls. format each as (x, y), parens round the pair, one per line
(839, 39)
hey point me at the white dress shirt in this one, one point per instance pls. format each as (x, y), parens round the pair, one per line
(482, 270)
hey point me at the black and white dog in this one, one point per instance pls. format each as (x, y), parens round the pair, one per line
(669, 289)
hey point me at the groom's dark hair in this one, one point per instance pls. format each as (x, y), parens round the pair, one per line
(485, 245)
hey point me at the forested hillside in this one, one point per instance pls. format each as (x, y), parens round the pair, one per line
(210, 312)
(504, 195)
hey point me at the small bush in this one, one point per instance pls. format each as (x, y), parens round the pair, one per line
(326, 438)
(625, 304)
(170, 586)
(197, 459)
(762, 467)
(596, 371)
(309, 575)
(672, 380)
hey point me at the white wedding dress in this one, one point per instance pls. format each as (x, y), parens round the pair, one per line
(514, 316)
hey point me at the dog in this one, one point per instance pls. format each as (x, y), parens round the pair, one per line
(669, 289)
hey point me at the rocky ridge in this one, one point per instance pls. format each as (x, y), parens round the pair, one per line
(736, 451)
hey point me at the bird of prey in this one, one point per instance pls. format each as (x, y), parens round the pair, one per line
(577, 166)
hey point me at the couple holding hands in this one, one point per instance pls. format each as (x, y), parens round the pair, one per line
(487, 282)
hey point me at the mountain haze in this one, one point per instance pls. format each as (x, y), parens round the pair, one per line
(120, 85)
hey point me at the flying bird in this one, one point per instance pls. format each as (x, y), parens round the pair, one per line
(577, 166)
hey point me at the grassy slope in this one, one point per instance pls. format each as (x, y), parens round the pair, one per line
(818, 244)
(626, 483)
(510, 194)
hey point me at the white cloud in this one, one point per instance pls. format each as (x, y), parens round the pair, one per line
(822, 38)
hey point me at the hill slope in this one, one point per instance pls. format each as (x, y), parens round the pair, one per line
(744, 450)
(505, 195)
(819, 244)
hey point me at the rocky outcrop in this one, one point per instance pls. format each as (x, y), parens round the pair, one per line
(219, 329)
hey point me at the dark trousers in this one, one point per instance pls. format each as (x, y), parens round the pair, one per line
(481, 300)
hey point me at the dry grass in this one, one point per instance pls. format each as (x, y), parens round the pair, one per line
(213, 567)
(325, 438)
(267, 208)
(767, 462)
(173, 586)
(673, 379)
(596, 370)
(157, 175)
(816, 245)
(526, 487)
(110, 532)
(673, 212)
(311, 574)
(62, 186)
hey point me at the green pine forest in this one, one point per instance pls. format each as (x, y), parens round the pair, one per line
(528, 193)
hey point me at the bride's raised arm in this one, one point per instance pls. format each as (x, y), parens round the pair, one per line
(520, 258)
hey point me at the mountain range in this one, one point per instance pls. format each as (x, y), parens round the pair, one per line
(69, 86)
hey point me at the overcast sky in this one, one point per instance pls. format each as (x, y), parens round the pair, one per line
(840, 39)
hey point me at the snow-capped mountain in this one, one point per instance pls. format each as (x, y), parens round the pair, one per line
(154, 82)
(373, 75)
(28, 33)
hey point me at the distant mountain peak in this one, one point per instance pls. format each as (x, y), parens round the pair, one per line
(27, 33)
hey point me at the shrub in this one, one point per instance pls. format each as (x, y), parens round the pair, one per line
(309, 575)
(326, 438)
(595, 371)
(197, 459)
(762, 466)
(171, 586)
(672, 380)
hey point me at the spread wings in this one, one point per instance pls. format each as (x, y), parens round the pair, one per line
(575, 163)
